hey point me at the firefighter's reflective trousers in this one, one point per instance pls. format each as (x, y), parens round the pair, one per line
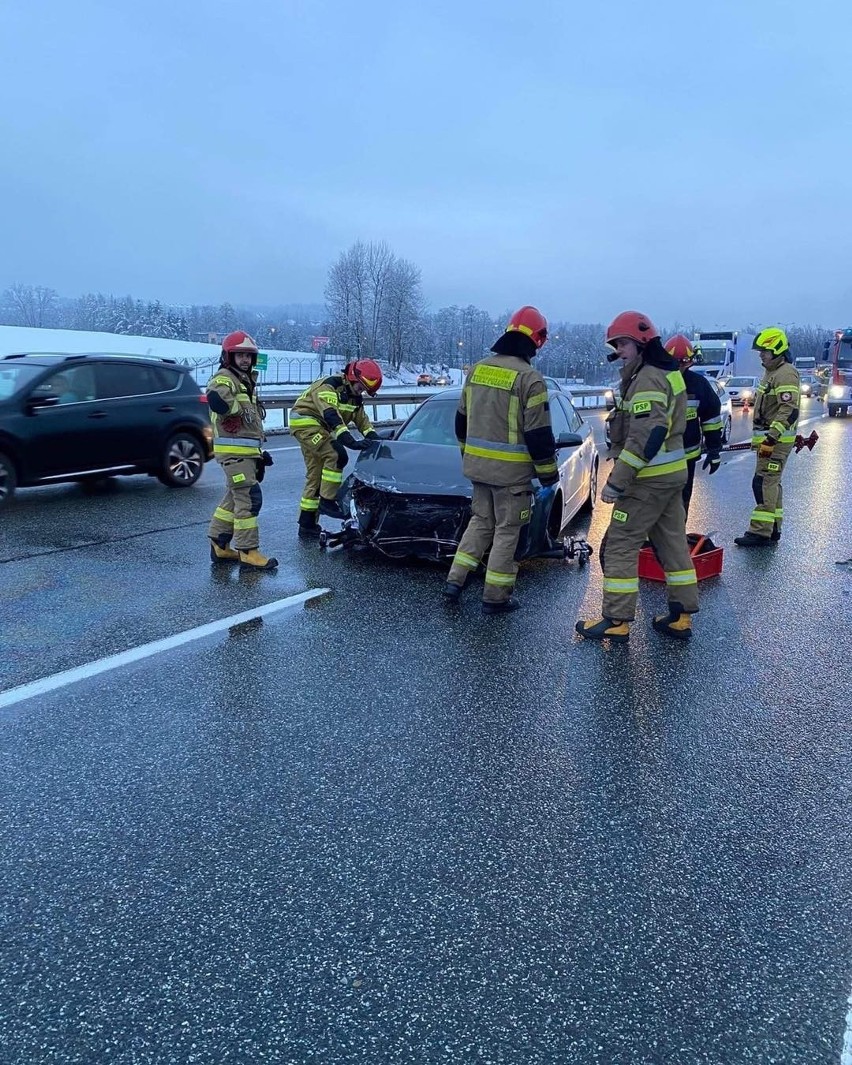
(323, 468)
(236, 515)
(647, 512)
(768, 512)
(497, 516)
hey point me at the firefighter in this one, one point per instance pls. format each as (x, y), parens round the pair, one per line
(646, 485)
(320, 421)
(503, 428)
(776, 414)
(237, 416)
(703, 415)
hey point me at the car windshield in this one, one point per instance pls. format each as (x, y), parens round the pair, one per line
(13, 376)
(433, 423)
(739, 382)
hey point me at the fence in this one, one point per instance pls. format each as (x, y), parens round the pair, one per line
(280, 370)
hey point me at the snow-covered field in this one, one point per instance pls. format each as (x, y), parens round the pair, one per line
(298, 367)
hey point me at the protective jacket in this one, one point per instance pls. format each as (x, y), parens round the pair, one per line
(329, 405)
(503, 424)
(776, 408)
(703, 415)
(647, 425)
(236, 413)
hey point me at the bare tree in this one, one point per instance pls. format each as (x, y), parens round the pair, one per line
(402, 314)
(31, 305)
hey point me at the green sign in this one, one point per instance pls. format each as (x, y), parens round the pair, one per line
(262, 361)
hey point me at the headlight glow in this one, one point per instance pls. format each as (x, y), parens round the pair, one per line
(837, 391)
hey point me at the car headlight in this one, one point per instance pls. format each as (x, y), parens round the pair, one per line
(836, 391)
(608, 394)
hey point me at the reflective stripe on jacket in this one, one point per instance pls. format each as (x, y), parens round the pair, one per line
(776, 407)
(330, 405)
(503, 423)
(239, 433)
(655, 398)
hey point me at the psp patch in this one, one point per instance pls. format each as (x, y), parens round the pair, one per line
(785, 397)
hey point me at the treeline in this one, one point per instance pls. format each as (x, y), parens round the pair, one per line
(374, 308)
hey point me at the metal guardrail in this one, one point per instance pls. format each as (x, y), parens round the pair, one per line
(393, 407)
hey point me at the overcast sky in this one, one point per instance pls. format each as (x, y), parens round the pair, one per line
(689, 160)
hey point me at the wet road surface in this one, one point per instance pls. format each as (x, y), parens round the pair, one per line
(379, 830)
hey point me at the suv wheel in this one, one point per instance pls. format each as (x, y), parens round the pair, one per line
(8, 479)
(183, 461)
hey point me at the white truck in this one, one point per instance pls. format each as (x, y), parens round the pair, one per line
(726, 353)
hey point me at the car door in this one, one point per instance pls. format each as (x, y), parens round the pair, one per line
(61, 437)
(578, 459)
(560, 424)
(134, 409)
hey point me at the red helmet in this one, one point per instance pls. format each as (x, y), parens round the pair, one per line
(238, 343)
(680, 348)
(367, 371)
(531, 322)
(632, 324)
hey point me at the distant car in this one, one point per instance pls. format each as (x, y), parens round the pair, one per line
(409, 497)
(85, 417)
(609, 398)
(443, 381)
(741, 390)
(424, 379)
(811, 385)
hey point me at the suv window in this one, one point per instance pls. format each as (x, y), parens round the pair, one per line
(72, 384)
(116, 381)
(14, 375)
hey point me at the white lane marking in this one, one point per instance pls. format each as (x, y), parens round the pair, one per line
(102, 665)
(846, 1052)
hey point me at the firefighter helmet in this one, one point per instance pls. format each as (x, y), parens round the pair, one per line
(238, 343)
(367, 371)
(680, 348)
(531, 322)
(632, 324)
(773, 340)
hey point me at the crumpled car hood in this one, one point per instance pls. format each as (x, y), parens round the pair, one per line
(413, 469)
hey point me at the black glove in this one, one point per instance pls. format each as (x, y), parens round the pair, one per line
(372, 436)
(342, 457)
(547, 479)
(264, 461)
(348, 440)
(712, 462)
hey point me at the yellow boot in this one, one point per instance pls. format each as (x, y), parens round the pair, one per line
(674, 624)
(223, 552)
(604, 629)
(255, 560)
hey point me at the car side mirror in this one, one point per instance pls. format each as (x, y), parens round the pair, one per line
(34, 401)
(386, 434)
(568, 440)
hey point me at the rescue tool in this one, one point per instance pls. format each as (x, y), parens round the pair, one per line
(801, 441)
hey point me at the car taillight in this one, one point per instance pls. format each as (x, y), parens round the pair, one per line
(203, 397)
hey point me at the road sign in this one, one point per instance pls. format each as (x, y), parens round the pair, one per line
(262, 361)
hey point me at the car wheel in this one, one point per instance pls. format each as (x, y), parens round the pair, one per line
(183, 461)
(592, 499)
(726, 431)
(8, 479)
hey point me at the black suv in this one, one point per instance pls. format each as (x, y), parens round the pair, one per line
(81, 417)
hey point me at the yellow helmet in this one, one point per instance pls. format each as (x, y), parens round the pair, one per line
(772, 339)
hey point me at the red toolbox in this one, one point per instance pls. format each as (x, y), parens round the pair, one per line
(706, 557)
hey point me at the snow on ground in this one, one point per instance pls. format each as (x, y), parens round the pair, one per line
(297, 367)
